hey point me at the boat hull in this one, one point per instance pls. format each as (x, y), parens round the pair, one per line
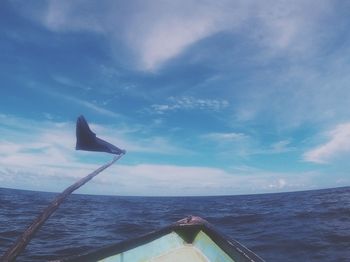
(191, 239)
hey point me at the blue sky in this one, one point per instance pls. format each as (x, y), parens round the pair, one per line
(208, 97)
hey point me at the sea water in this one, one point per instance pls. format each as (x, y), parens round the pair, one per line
(299, 226)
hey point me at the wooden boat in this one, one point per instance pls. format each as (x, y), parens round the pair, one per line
(191, 239)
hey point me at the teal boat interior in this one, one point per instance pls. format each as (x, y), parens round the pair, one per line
(191, 239)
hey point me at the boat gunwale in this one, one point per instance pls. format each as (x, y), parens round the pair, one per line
(232, 248)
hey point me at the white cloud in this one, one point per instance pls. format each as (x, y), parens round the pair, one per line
(168, 38)
(151, 145)
(126, 138)
(65, 81)
(189, 103)
(304, 92)
(92, 106)
(182, 180)
(44, 143)
(170, 27)
(74, 100)
(279, 183)
(157, 31)
(45, 159)
(72, 15)
(225, 137)
(40, 155)
(230, 145)
(280, 146)
(150, 180)
(289, 26)
(244, 145)
(59, 139)
(338, 144)
(170, 180)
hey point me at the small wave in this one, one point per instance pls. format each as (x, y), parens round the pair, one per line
(338, 238)
(237, 219)
(10, 233)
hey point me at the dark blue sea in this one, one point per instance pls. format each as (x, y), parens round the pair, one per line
(300, 226)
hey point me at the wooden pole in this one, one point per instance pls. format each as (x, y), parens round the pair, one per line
(28, 234)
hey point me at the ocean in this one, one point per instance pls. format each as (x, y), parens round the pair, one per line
(299, 226)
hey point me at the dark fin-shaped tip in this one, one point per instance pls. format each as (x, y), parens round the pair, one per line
(85, 137)
(87, 140)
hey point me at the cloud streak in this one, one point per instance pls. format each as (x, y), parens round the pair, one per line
(337, 145)
(225, 137)
(189, 103)
(77, 101)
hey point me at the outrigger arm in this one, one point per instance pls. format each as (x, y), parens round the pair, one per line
(86, 140)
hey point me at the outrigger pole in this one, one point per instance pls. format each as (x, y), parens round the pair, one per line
(86, 140)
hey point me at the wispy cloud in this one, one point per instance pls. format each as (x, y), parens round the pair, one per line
(280, 146)
(40, 155)
(306, 87)
(65, 81)
(189, 103)
(44, 143)
(289, 27)
(225, 137)
(174, 27)
(229, 144)
(283, 146)
(337, 145)
(149, 145)
(60, 136)
(154, 180)
(213, 181)
(279, 183)
(84, 103)
(77, 101)
(159, 31)
(242, 144)
(91, 106)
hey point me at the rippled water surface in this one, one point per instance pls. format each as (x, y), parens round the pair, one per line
(301, 226)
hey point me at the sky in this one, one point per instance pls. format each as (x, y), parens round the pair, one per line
(207, 97)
